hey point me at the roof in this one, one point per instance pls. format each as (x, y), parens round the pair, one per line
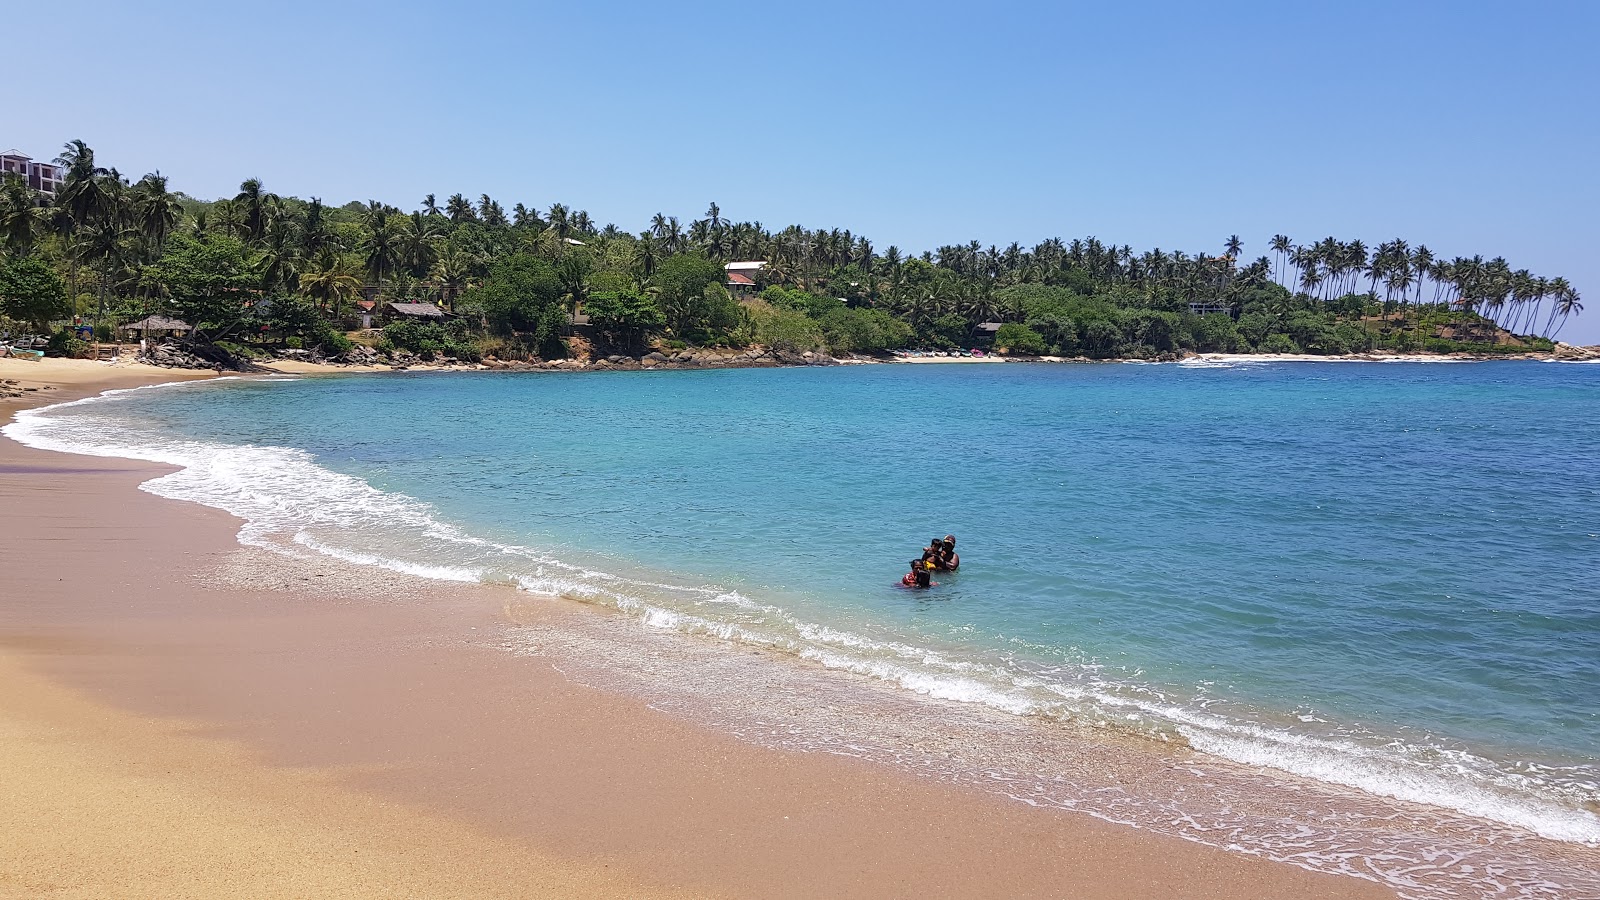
(754, 265)
(418, 309)
(16, 152)
(736, 278)
(157, 323)
(575, 242)
(366, 304)
(988, 326)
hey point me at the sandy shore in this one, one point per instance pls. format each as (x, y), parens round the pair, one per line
(191, 718)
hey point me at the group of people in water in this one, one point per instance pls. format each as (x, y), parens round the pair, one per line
(938, 556)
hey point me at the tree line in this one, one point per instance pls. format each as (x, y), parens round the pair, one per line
(260, 263)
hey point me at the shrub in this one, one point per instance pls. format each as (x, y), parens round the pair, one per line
(784, 329)
(1214, 333)
(103, 333)
(333, 342)
(863, 330)
(1277, 343)
(1100, 339)
(1014, 338)
(429, 340)
(66, 343)
(294, 342)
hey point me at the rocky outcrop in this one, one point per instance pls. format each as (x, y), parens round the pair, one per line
(171, 356)
(698, 358)
(1575, 353)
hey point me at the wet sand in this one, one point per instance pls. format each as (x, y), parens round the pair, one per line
(194, 719)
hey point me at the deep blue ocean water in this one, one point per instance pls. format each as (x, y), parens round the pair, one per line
(1382, 575)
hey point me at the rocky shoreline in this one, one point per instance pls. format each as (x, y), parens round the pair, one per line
(171, 356)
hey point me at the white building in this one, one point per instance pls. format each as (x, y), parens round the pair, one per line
(741, 278)
(46, 178)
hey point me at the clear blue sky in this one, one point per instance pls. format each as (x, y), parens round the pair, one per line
(1469, 126)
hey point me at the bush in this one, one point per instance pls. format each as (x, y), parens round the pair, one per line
(66, 343)
(1277, 343)
(947, 332)
(1100, 339)
(103, 333)
(1014, 338)
(1214, 333)
(624, 318)
(31, 291)
(333, 342)
(294, 342)
(784, 329)
(863, 331)
(429, 340)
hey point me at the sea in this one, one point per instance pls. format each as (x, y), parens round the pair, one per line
(1342, 614)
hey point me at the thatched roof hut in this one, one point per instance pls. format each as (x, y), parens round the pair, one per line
(157, 323)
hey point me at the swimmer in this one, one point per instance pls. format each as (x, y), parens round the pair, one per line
(920, 576)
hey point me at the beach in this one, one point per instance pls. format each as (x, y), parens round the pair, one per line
(295, 727)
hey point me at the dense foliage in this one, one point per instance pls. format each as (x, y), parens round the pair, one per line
(262, 267)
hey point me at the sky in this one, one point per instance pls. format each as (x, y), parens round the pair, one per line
(1469, 126)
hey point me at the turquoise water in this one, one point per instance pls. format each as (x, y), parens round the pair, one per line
(1381, 575)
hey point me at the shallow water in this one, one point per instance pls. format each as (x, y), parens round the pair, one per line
(1378, 576)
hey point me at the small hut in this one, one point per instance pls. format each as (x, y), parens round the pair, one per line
(983, 334)
(162, 326)
(415, 312)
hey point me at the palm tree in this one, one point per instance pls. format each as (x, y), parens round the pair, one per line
(415, 236)
(156, 211)
(451, 272)
(459, 209)
(559, 220)
(1233, 247)
(250, 202)
(329, 281)
(574, 275)
(1282, 246)
(381, 251)
(22, 220)
(430, 206)
(646, 252)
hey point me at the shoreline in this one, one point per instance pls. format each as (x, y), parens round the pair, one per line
(70, 371)
(416, 703)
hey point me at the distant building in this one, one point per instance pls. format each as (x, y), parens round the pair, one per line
(1210, 307)
(983, 334)
(46, 178)
(741, 277)
(416, 312)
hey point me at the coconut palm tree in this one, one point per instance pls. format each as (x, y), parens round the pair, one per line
(381, 252)
(450, 272)
(458, 209)
(329, 281)
(251, 203)
(156, 211)
(22, 220)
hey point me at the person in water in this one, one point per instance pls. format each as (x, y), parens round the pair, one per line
(932, 552)
(948, 560)
(920, 576)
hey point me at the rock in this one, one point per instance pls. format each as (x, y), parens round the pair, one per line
(654, 356)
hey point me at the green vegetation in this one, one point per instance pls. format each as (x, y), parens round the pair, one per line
(258, 270)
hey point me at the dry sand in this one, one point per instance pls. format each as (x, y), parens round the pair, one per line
(193, 719)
